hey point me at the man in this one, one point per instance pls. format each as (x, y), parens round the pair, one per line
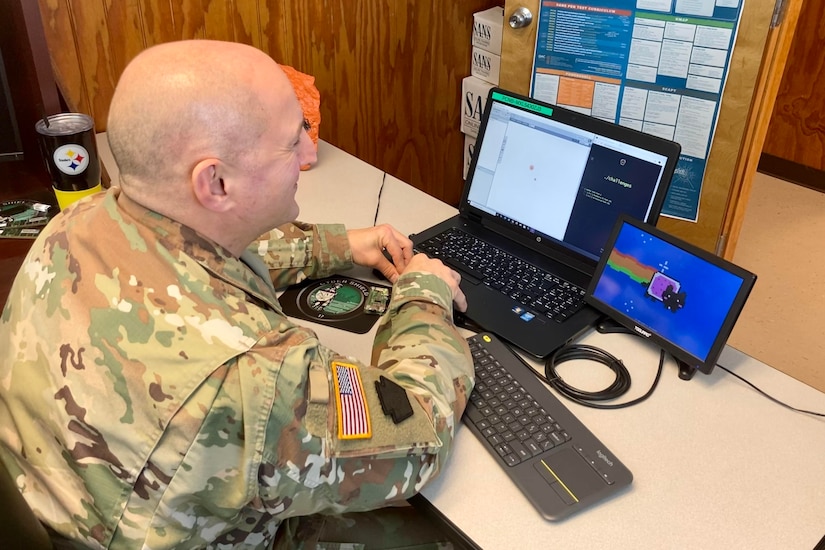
(152, 392)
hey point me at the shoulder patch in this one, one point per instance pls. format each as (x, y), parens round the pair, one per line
(394, 400)
(350, 402)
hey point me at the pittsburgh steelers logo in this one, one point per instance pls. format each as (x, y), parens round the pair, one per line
(71, 159)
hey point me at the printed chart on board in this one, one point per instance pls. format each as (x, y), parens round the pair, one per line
(658, 66)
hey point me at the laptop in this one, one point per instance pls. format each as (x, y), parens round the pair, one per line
(543, 191)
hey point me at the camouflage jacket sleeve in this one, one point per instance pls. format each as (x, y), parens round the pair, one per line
(297, 251)
(327, 458)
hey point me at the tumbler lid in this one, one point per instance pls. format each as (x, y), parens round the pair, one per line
(64, 124)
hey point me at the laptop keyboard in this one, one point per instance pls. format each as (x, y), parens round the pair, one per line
(507, 416)
(522, 281)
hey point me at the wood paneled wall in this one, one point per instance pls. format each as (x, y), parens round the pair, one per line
(389, 71)
(797, 128)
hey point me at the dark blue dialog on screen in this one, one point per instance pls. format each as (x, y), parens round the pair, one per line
(613, 183)
(668, 290)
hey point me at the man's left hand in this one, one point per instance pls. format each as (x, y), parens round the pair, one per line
(368, 246)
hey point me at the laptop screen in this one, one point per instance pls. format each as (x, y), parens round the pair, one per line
(564, 176)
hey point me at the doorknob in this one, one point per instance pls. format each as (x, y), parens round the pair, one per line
(522, 17)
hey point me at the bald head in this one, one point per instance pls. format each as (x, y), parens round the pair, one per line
(179, 102)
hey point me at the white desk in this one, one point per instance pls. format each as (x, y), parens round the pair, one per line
(716, 465)
(339, 188)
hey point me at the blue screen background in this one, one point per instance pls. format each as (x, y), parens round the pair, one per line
(710, 292)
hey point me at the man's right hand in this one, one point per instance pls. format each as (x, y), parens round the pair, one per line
(422, 262)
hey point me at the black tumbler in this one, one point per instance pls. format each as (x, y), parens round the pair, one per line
(67, 143)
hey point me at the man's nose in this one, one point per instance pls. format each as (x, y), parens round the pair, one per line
(308, 153)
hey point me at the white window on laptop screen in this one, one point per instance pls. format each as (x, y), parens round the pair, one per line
(529, 170)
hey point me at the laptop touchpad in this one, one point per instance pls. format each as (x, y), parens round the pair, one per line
(569, 475)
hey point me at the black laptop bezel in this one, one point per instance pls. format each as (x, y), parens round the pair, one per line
(706, 364)
(580, 262)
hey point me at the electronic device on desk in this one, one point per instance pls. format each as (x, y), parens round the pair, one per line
(683, 298)
(543, 189)
(554, 459)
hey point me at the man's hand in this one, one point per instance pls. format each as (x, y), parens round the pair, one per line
(421, 262)
(368, 246)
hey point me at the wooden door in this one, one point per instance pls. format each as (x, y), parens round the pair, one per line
(797, 132)
(741, 123)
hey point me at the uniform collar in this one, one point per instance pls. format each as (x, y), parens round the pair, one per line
(247, 272)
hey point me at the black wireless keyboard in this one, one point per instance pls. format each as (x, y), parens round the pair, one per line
(555, 460)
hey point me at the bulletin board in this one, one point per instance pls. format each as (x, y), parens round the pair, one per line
(732, 124)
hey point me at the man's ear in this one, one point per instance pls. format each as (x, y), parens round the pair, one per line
(209, 187)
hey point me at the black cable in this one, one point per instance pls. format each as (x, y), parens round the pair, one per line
(620, 385)
(378, 206)
(775, 400)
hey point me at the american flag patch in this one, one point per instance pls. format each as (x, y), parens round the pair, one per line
(353, 413)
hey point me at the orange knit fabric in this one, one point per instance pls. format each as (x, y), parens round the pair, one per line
(310, 99)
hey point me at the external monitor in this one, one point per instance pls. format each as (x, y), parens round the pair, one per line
(683, 298)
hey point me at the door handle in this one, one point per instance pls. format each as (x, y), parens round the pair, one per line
(521, 17)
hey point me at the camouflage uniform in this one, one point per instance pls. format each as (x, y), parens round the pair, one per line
(154, 393)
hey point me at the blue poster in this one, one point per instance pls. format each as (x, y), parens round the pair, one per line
(658, 66)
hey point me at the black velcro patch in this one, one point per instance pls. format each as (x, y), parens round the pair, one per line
(394, 400)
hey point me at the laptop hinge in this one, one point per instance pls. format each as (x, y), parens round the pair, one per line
(475, 218)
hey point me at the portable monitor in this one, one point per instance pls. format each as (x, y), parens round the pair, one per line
(662, 288)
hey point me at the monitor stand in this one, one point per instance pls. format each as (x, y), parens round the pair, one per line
(686, 371)
(609, 326)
